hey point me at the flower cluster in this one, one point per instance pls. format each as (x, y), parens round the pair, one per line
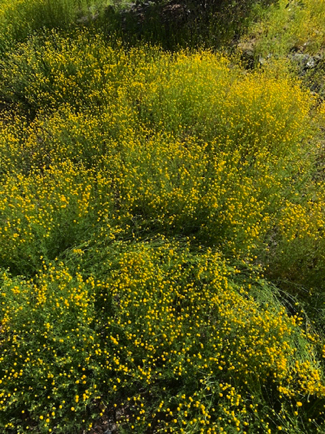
(149, 205)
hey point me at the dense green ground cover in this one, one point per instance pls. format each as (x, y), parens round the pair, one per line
(161, 232)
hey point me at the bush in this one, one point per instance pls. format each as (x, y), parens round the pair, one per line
(290, 26)
(168, 339)
(49, 71)
(185, 23)
(43, 214)
(183, 152)
(19, 18)
(143, 197)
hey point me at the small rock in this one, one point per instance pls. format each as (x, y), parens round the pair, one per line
(311, 64)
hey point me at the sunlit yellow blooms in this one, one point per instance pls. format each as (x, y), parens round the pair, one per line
(161, 242)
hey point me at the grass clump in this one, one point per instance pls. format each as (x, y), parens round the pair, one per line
(18, 18)
(290, 30)
(290, 26)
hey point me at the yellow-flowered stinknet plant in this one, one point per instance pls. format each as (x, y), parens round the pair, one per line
(169, 337)
(184, 139)
(161, 244)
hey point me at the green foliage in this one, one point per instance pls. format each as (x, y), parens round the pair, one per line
(165, 335)
(161, 230)
(175, 24)
(289, 26)
(20, 18)
(45, 213)
(182, 151)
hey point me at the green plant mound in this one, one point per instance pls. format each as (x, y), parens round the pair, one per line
(169, 340)
(161, 241)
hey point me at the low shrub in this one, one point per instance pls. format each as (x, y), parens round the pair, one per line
(19, 19)
(289, 26)
(166, 339)
(144, 197)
